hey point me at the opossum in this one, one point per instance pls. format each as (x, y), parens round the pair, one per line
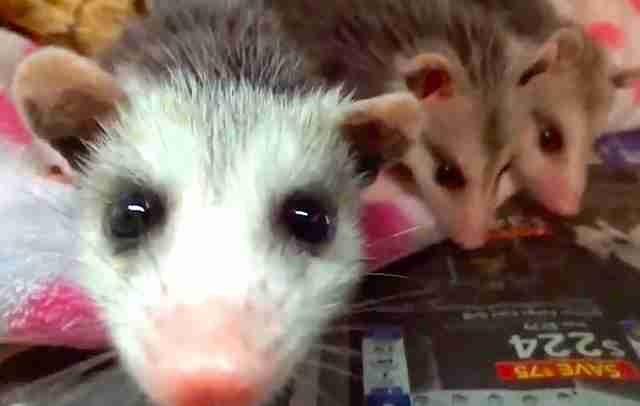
(219, 195)
(459, 60)
(569, 91)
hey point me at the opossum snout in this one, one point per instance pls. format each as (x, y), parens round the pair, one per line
(560, 195)
(470, 228)
(210, 354)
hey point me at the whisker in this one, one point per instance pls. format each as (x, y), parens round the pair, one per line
(67, 226)
(396, 235)
(405, 295)
(336, 350)
(78, 369)
(154, 264)
(323, 366)
(390, 275)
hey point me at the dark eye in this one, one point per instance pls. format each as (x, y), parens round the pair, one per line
(134, 215)
(308, 219)
(450, 176)
(551, 140)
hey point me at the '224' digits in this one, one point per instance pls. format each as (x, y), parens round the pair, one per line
(560, 345)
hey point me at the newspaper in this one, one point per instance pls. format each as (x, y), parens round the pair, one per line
(547, 314)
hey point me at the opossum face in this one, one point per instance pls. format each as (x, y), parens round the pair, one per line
(463, 149)
(457, 171)
(569, 88)
(219, 227)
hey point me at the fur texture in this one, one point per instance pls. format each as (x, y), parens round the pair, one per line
(218, 122)
(570, 92)
(381, 46)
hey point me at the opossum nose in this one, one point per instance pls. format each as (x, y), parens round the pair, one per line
(470, 231)
(561, 196)
(209, 355)
(210, 387)
(472, 240)
(569, 204)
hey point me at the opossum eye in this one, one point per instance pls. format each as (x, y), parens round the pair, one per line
(308, 219)
(133, 215)
(450, 176)
(551, 140)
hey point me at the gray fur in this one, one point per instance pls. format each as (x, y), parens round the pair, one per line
(534, 21)
(355, 40)
(362, 43)
(214, 39)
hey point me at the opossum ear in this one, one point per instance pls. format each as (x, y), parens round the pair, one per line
(428, 74)
(626, 77)
(561, 51)
(381, 129)
(61, 95)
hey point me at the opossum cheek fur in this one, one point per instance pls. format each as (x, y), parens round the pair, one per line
(457, 164)
(457, 171)
(554, 152)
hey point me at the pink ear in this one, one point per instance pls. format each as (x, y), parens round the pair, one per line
(560, 51)
(435, 81)
(428, 74)
(11, 125)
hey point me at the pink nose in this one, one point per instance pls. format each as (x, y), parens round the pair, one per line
(559, 197)
(567, 205)
(206, 388)
(469, 231)
(208, 355)
(472, 240)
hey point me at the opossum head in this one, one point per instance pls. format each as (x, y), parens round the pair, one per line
(464, 146)
(569, 86)
(219, 220)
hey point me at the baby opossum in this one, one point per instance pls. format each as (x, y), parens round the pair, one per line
(569, 92)
(218, 195)
(457, 58)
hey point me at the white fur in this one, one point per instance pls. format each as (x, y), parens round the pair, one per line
(224, 156)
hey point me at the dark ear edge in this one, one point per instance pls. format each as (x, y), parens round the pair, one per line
(60, 95)
(625, 78)
(429, 74)
(561, 51)
(381, 129)
(375, 146)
